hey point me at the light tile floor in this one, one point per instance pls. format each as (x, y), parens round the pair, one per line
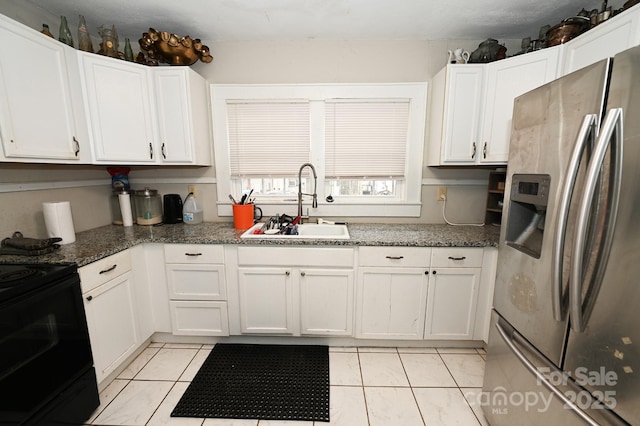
(369, 387)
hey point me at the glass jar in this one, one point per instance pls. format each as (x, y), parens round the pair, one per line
(148, 205)
(116, 214)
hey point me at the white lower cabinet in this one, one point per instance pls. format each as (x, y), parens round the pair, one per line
(392, 292)
(266, 300)
(294, 291)
(111, 309)
(391, 303)
(197, 289)
(326, 302)
(451, 303)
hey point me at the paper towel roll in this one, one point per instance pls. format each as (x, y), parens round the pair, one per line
(125, 209)
(58, 220)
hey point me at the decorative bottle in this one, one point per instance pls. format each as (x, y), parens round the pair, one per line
(128, 52)
(45, 31)
(65, 34)
(84, 38)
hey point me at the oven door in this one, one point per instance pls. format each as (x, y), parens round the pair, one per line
(45, 348)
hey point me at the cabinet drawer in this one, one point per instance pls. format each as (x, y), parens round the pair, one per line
(103, 270)
(193, 253)
(299, 256)
(456, 257)
(199, 318)
(196, 282)
(395, 256)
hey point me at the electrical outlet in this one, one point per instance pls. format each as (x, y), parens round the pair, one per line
(192, 188)
(442, 193)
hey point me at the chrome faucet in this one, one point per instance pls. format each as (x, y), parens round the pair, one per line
(314, 203)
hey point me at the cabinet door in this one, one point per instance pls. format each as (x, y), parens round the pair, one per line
(326, 302)
(196, 281)
(199, 318)
(266, 300)
(36, 111)
(506, 80)
(451, 303)
(606, 40)
(174, 115)
(112, 325)
(391, 303)
(462, 114)
(120, 110)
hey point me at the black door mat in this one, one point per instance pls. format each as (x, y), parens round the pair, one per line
(269, 382)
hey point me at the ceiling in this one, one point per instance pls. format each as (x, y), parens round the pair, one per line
(249, 20)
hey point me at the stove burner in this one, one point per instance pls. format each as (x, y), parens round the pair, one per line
(9, 275)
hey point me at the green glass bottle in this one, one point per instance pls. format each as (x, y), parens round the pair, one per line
(65, 33)
(128, 52)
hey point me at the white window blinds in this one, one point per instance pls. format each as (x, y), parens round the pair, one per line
(366, 138)
(267, 138)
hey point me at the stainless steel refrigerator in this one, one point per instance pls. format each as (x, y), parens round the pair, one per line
(564, 345)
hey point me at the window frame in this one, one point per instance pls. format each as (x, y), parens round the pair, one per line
(408, 205)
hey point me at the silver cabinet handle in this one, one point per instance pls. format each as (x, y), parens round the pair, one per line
(508, 340)
(395, 257)
(473, 154)
(610, 135)
(193, 254)
(586, 136)
(457, 258)
(76, 146)
(104, 271)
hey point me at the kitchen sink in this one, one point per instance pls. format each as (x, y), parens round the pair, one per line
(308, 231)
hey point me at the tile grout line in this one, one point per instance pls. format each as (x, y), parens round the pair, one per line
(471, 408)
(113, 399)
(411, 387)
(364, 395)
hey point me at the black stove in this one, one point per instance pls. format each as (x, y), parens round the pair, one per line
(17, 279)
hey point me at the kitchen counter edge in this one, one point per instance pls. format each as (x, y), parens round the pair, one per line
(98, 243)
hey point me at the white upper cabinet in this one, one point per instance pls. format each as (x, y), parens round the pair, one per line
(456, 99)
(183, 116)
(607, 39)
(37, 122)
(472, 106)
(505, 81)
(119, 102)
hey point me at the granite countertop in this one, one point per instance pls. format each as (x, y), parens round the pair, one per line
(98, 243)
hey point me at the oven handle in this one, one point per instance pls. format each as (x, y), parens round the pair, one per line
(509, 341)
(104, 271)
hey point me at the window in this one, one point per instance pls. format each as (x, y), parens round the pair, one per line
(365, 141)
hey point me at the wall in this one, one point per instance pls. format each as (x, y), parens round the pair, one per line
(310, 61)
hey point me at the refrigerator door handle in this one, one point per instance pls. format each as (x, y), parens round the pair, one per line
(588, 132)
(610, 135)
(510, 340)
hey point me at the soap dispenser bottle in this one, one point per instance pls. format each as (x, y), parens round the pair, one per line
(191, 211)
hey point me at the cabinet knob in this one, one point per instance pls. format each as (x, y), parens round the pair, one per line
(426, 272)
(457, 258)
(89, 298)
(303, 273)
(287, 273)
(395, 257)
(433, 272)
(104, 271)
